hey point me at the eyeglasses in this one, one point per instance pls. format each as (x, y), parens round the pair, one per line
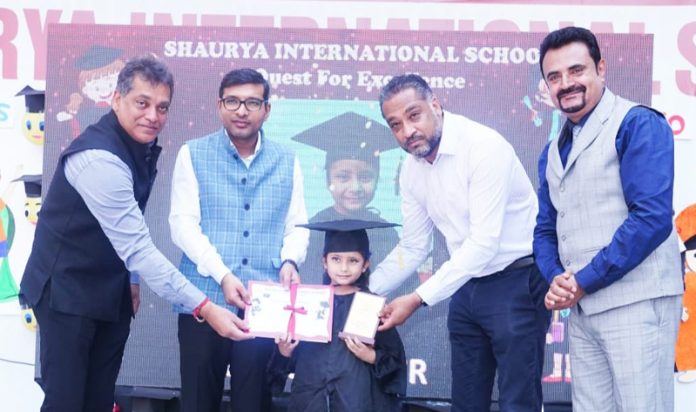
(251, 104)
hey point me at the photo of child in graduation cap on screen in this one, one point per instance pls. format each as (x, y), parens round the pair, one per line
(353, 144)
(344, 374)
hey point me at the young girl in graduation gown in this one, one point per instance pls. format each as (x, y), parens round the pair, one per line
(344, 374)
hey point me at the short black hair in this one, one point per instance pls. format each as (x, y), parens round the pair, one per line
(397, 84)
(561, 37)
(244, 76)
(148, 68)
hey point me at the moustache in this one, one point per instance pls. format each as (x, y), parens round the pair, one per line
(415, 136)
(570, 90)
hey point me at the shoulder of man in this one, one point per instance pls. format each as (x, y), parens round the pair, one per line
(640, 111)
(203, 139)
(282, 149)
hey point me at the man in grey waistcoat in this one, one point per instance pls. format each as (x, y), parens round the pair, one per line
(604, 239)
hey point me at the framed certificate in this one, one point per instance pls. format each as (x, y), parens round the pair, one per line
(363, 317)
(303, 311)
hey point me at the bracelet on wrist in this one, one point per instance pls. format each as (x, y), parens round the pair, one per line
(197, 311)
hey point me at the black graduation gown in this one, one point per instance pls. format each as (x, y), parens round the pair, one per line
(328, 377)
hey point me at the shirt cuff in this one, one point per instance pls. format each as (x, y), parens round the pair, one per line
(589, 280)
(428, 293)
(550, 274)
(193, 298)
(219, 274)
(134, 279)
(216, 270)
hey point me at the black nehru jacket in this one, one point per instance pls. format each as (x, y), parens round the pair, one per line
(87, 277)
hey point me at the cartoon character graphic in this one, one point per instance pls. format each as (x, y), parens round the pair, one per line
(8, 286)
(542, 109)
(34, 119)
(685, 351)
(556, 336)
(28, 318)
(32, 204)
(99, 68)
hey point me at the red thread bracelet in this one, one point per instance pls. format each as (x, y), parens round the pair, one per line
(197, 310)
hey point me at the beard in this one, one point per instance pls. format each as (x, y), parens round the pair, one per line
(428, 146)
(576, 108)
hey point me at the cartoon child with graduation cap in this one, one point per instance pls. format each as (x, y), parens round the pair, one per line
(353, 145)
(33, 119)
(99, 68)
(32, 204)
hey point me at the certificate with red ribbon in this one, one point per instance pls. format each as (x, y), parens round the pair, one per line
(303, 311)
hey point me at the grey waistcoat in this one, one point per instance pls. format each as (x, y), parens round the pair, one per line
(588, 196)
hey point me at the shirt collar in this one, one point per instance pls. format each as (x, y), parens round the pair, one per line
(447, 146)
(256, 148)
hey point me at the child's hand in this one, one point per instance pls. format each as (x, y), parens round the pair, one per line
(286, 345)
(365, 353)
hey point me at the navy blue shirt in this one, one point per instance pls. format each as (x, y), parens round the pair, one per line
(645, 148)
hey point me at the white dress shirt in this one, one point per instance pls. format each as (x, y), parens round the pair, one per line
(105, 184)
(185, 218)
(477, 193)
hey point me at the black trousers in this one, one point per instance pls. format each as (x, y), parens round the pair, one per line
(499, 322)
(204, 358)
(80, 358)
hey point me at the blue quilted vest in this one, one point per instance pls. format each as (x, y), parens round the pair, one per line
(243, 209)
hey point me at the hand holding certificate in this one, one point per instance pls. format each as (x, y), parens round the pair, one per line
(363, 317)
(302, 311)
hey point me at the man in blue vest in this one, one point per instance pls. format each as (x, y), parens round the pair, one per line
(604, 238)
(236, 199)
(92, 245)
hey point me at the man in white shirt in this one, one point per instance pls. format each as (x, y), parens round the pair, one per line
(465, 179)
(237, 197)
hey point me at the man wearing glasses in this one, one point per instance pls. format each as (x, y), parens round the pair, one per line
(237, 197)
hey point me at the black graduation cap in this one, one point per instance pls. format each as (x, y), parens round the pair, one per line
(349, 136)
(97, 56)
(690, 244)
(34, 99)
(32, 185)
(347, 235)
